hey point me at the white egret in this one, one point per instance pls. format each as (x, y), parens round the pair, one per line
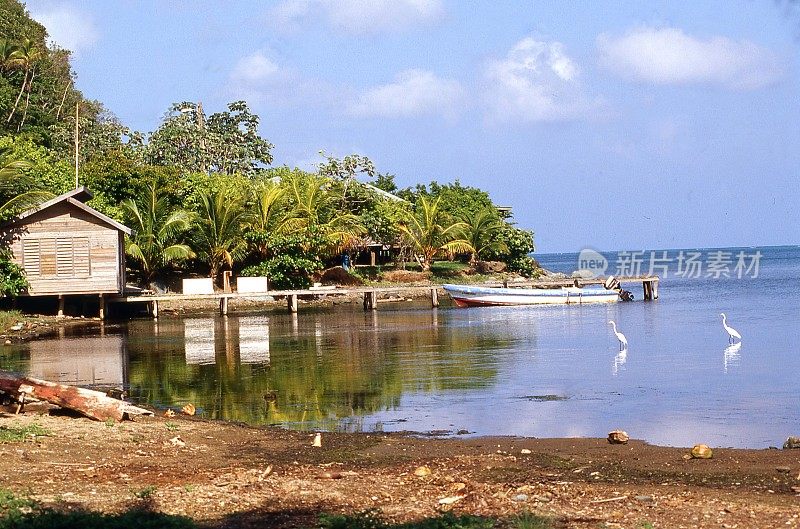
(623, 342)
(732, 333)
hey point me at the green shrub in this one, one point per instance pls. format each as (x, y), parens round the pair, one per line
(12, 277)
(291, 259)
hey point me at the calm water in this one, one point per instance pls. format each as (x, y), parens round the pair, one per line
(533, 371)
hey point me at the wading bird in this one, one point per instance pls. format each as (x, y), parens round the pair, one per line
(732, 333)
(623, 342)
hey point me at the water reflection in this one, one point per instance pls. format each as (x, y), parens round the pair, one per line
(619, 361)
(198, 338)
(254, 340)
(89, 361)
(315, 371)
(730, 357)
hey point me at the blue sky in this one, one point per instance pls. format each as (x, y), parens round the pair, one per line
(611, 125)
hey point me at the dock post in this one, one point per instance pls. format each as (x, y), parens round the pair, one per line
(223, 306)
(291, 301)
(155, 309)
(647, 288)
(655, 289)
(60, 305)
(102, 312)
(370, 300)
(434, 298)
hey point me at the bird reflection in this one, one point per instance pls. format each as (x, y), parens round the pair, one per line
(619, 361)
(730, 357)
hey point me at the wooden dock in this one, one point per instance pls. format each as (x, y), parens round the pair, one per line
(371, 294)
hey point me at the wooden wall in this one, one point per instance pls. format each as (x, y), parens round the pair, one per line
(65, 250)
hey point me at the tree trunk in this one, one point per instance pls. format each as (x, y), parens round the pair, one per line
(63, 97)
(19, 96)
(214, 272)
(93, 404)
(27, 99)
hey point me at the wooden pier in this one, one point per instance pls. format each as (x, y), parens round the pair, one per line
(371, 294)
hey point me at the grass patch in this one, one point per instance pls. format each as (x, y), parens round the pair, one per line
(371, 520)
(146, 492)
(439, 267)
(531, 521)
(171, 426)
(13, 434)
(23, 513)
(8, 318)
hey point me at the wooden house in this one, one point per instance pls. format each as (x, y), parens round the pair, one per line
(68, 248)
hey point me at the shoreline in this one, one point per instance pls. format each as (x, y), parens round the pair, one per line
(222, 474)
(226, 474)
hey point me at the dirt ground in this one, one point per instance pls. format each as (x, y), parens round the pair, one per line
(228, 475)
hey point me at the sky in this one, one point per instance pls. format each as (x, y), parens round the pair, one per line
(616, 125)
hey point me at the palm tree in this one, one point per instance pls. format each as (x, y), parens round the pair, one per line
(157, 228)
(13, 184)
(316, 205)
(270, 213)
(218, 238)
(428, 233)
(25, 56)
(481, 230)
(7, 50)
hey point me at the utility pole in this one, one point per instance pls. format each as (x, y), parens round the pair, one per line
(76, 145)
(201, 124)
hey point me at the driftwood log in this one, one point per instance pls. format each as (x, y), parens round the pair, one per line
(93, 404)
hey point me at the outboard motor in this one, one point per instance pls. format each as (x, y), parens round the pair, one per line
(625, 295)
(612, 283)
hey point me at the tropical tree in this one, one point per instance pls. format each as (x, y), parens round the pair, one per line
(429, 233)
(25, 57)
(157, 226)
(269, 215)
(343, 172)
(483, 230)
(519, 245)
(315, 201)
(218, 239)
(7, 51)
(456, 200)
(227, 142)
(17, 191)
(236, 146)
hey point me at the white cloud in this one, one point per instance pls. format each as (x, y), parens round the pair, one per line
(359, 16)
(536, 81)
(670, 56)
(259, 78)
(413, 92)
(68, 27)
(256, 69)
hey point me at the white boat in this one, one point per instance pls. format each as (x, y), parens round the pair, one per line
(473, 296)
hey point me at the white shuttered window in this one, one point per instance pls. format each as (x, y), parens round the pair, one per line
(56, 257)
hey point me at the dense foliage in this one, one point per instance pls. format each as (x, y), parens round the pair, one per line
(291, 262)
(199, 191)
(12, 278)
